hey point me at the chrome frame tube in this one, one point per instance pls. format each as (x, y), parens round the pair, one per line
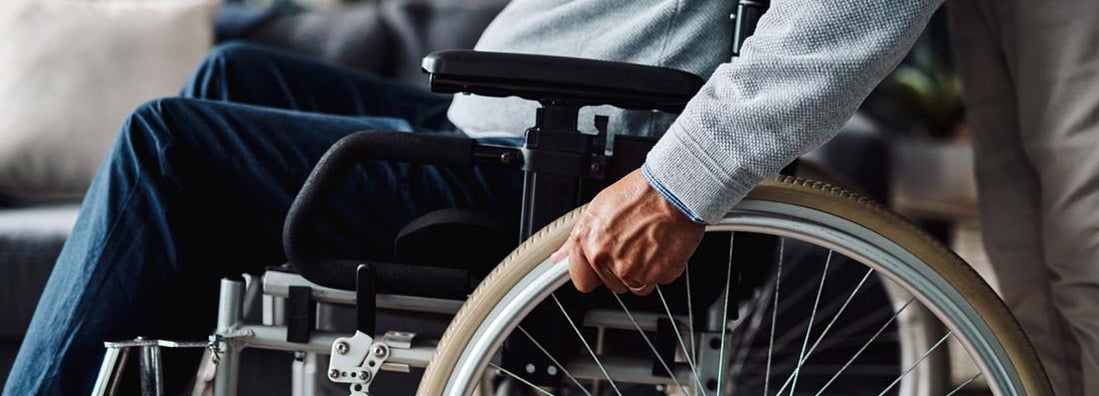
(277, 284)
(229, 320)
(152, 374)
(106, 372)
(618, 320)
(631, 370)
(709, 360)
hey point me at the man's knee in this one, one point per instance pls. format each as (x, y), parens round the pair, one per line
(159, 121)
(213, 75)
(235, 50)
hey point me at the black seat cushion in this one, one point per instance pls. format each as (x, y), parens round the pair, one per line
(455, 238)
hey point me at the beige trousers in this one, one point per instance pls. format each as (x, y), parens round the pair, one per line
(1030, 73)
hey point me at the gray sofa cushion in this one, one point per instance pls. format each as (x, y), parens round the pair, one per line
(30, 240)
(387, 38)
(70, 74)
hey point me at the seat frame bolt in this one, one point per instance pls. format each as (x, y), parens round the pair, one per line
(380, 350)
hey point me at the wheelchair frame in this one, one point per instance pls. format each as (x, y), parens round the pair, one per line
(563, 168)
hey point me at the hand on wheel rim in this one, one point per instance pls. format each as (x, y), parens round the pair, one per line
(629, 239)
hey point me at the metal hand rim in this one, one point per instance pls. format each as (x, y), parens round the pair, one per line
(789, 207)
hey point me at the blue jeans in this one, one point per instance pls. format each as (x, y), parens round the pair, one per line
(196, 188)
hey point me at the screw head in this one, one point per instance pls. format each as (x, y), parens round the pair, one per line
(364, 375)
(334, 373)
(342, 347)
(380, 350)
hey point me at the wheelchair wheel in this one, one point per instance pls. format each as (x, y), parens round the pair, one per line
(768, 348)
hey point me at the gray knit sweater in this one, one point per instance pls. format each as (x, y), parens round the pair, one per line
(798, 79)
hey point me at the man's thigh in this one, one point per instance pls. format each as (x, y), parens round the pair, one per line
(242, 159)
(254, 74)
(196, 190)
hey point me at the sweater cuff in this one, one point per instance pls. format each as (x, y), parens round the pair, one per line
(659, 187)
(693, 173)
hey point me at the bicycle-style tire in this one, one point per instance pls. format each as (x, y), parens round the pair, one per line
(975, 304)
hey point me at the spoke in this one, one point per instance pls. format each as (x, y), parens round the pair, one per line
(647, 342)
(774, 316)
(563, 369)
(725, 317)
(809, 327)
(690, 315)
(792, 297)
(827, 309)
(512, 375)
(971, 379)
(754, 325)
(864, 346)
(917, 363)
(850, 296)
(679, 337)
(843, 308)
(586, 345)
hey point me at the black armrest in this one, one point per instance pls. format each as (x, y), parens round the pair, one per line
(575, 81)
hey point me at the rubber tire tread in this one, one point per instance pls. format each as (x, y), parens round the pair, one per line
(784, 189)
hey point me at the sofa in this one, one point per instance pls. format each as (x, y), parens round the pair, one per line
(385, 37)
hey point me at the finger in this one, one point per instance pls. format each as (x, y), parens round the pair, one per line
(607, 276)
(583, 277)
(601, 262)
(632, 284)
(643, 291)
(573, 240)
(562, 252)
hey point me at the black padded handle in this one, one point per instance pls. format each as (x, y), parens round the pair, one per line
(332, 170)
(581, 82)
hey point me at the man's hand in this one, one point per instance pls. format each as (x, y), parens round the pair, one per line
(630, 239)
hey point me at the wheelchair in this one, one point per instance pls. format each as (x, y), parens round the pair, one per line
(803, 288)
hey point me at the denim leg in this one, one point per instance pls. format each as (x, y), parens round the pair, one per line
(254, 74)
(194, 190)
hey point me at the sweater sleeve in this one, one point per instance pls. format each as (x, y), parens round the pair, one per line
(801, 75)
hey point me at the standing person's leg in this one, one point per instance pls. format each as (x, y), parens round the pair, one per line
(1056, 51)
(258, 75)
(1051, 53)
(1009, 188)
(194, 190)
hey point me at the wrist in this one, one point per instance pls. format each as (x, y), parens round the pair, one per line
(667, 195)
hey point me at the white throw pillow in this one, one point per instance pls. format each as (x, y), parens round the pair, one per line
(71, 71)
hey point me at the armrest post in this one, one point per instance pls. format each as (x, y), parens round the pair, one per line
(563, 167)
(553, 115)
(556, 163)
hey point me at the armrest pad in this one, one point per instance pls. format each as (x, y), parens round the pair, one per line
(577, 81)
